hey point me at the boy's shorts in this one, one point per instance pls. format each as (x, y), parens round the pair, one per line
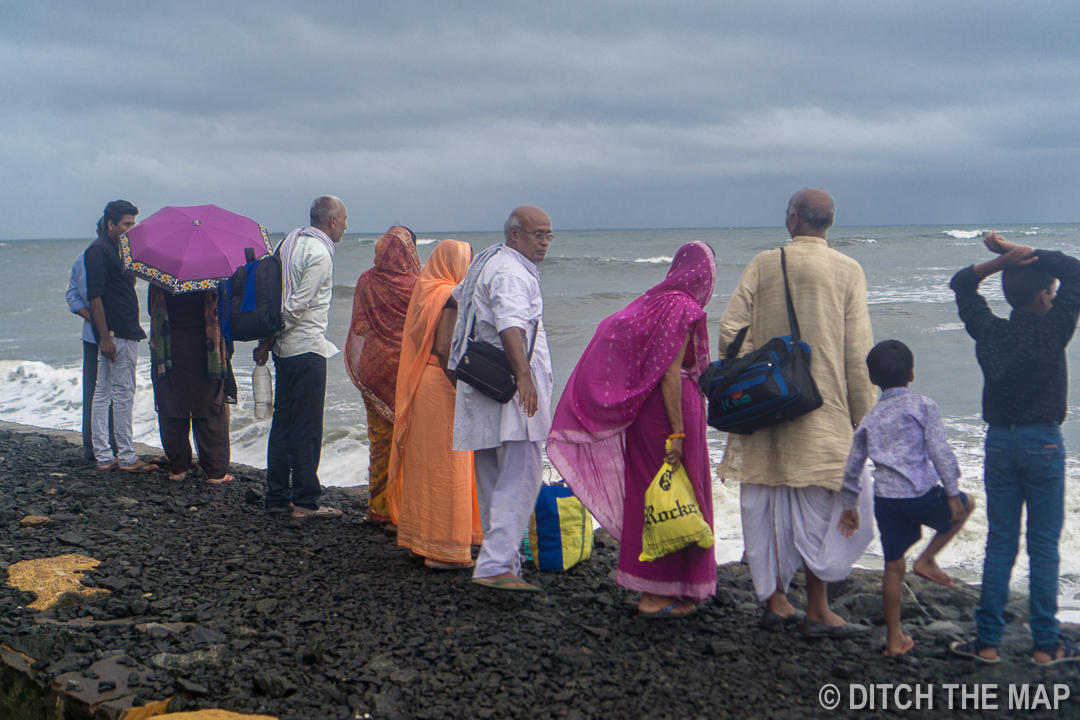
(900, 520)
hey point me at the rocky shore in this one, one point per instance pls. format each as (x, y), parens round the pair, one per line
(201, 600)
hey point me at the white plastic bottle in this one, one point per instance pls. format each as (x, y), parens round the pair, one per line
(263, 388)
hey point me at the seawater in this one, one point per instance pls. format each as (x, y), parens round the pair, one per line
(587, 276)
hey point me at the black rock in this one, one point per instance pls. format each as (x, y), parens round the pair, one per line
(273, 685)
(191, 688)
(72, 538)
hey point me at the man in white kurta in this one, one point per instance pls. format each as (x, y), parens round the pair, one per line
(501, 296)
(791, 473)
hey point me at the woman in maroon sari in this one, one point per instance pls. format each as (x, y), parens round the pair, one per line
(635, 387)
(373, 347)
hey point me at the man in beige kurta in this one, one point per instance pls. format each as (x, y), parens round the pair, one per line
(791, 473)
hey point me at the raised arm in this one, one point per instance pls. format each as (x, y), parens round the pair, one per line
(1066, 307)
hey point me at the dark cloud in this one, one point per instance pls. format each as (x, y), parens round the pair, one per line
(630, 114)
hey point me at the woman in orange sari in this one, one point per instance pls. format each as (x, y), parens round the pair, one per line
(372, 347)
(431, 492)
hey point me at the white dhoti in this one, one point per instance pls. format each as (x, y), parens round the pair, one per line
(788, 528)
(508, 479)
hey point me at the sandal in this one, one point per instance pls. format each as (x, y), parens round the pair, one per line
(322, 513)
(220, 481)
(108, 467)
(139, 467)
(667, 613)
(968, 649)
(177, 477)
(513, 584)
(1070, 652)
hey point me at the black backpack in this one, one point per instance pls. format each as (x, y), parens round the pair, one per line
(249, 302)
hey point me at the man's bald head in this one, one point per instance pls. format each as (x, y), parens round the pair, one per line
(811, 211)
(328, 214)
(528, 230)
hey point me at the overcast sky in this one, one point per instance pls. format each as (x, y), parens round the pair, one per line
(443, 116)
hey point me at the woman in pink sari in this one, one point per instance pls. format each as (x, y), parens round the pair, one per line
(635, 387)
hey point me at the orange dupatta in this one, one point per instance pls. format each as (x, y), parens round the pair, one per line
(444, 271)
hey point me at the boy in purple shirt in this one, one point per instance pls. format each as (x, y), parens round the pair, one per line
(904, 436)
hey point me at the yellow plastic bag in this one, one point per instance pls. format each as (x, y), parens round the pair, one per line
(673, 518)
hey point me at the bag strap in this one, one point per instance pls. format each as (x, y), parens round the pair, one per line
(735, 345)
(793, 320)
(472, 318)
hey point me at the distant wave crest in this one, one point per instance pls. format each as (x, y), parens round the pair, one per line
(658, 260)
(965, 234)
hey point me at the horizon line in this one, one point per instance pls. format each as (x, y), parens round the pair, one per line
(556, 231)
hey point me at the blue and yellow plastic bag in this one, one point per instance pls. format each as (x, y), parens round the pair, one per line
(673, 518)
(560, 530)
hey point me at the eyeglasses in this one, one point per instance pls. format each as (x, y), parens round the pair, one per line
(538, 234)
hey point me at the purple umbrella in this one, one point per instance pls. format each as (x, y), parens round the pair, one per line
(185, 249)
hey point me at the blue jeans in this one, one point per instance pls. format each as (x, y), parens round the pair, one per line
(1025, 464)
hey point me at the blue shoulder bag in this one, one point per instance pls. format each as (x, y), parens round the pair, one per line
(765, 387)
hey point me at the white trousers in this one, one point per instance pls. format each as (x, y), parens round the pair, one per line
(787, 528)
(508, 480)
(115, 387)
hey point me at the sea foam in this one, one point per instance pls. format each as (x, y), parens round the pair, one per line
(964, 234)
(35, 393)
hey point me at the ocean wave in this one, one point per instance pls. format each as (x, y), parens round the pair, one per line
(344, 291)
(964, 234)
(425, 241)
(658, 260)
(35, 393)
(847, 242)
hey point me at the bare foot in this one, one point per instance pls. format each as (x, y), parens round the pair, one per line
(902, 648)
(779, 604)
(929, 569)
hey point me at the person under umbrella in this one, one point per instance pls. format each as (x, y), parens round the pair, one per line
(193, 381)
(184, 252)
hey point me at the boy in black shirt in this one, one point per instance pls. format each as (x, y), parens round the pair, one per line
(114, 312)
(1024, 397)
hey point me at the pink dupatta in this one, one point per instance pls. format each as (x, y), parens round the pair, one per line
(620, 368)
